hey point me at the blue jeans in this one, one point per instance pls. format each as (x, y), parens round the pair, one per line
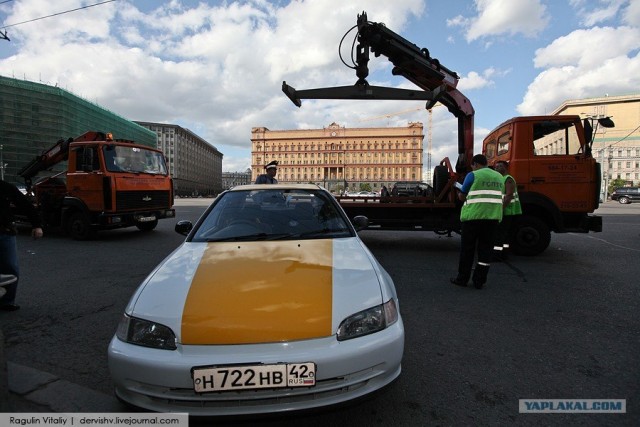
(9, 265)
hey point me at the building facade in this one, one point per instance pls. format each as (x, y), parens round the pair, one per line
(194, 164)
(232, 179)
(34, 116)
(618, 148)
(340, 158)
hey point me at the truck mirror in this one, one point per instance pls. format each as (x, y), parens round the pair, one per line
(606, 122)
(588, 132)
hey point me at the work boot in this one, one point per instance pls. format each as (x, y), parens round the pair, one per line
(458, 282)
(479, 277)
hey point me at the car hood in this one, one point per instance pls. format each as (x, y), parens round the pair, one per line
(257, 292)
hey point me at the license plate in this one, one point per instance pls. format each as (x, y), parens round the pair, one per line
(146, 218)
(247, 377)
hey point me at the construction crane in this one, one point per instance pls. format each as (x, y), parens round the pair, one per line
(389, 115)
(430, 140)
(430, 128)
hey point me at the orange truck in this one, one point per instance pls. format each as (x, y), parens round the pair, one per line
(108, 183)
(550, 157)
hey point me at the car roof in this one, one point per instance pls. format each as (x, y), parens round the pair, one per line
(253, 187)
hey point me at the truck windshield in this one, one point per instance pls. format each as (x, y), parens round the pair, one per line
(122, 158)
(552, 138)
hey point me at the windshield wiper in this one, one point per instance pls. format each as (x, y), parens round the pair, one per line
(320, 233)
(255, 236)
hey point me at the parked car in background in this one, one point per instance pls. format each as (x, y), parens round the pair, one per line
(272, 304)
(626, 195)
(414, 188)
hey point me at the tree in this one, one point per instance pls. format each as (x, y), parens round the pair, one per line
(365, 186)
(615, 183)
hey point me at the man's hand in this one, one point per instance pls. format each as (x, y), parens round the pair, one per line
(36, 233)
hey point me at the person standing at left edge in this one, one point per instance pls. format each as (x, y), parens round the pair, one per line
(9, 193)
(481, 193)
(270, 176)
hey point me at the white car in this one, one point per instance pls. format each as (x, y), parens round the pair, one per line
(272, 304)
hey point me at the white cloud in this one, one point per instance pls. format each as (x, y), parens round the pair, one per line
(499, 17)
(603, 11)
(220, 66)
(571, 82)
(632, 13)
(583, 64)
(473, 80)
(587, 48)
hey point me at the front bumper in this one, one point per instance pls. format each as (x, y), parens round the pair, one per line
(115, 220)
(160, 380)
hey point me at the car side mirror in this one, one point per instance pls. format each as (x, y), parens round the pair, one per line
(360, 222)
(183, 227)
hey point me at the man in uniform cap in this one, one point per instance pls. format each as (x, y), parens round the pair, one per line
(269, 177)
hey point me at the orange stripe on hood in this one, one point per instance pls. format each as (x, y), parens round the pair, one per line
(257, 292)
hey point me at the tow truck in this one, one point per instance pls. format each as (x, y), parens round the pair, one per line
(106, 183)
(550, 156)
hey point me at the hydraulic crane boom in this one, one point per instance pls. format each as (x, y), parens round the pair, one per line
(413, 63)
(59, 152)
(56, 154)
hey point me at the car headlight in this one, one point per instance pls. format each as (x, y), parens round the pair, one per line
(145, 333)
(368, 321)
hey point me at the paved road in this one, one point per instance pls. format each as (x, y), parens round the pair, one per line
(560, 325)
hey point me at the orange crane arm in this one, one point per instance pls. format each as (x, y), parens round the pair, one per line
(438, 83)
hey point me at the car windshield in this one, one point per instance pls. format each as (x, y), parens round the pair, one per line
(120, 158)
(273, 214)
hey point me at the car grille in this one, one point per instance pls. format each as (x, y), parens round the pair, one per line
(187, 398)
(154, 199)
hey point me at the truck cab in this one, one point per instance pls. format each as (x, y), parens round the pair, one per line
(104, 184)
(558, 179)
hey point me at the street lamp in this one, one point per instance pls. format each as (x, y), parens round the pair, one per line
(591, 124)
(2, 164)
(344, 170)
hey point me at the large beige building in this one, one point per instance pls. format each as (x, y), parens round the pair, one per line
(336, 156)
(618, 148)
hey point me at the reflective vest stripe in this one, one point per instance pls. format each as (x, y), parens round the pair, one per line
(484, 200)
(514, 207)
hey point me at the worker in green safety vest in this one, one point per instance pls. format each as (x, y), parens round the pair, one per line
(481, 212)
(510, 207)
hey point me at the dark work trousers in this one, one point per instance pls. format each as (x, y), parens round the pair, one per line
(478, 234)
(501, 243)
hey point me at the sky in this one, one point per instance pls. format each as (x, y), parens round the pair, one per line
(217, 67)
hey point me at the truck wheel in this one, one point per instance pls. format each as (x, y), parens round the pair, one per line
(440, 179)
(79, 227)
(530, 236)
(147, 226)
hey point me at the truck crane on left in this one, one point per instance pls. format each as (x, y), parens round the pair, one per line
(106, 183)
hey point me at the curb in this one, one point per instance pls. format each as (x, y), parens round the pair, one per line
(42, 390)
(4, 382)
(25, 389)
(58, 395)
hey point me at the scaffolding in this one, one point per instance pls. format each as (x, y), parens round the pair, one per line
(33, 116)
